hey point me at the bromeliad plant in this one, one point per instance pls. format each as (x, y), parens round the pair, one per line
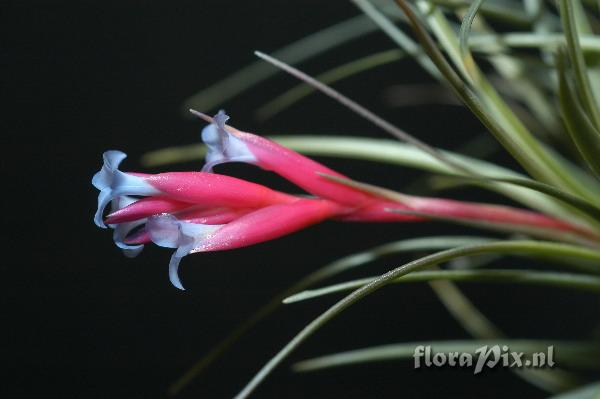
(530, 104)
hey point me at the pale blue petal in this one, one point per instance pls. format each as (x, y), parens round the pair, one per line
(122, 230)
(113, 183)
(166, 231)
(223, 147)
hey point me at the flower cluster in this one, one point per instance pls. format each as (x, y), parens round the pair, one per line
(204, 211)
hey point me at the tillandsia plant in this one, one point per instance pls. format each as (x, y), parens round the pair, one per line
(529, 101)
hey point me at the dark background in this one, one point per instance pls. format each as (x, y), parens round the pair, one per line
(81, 320)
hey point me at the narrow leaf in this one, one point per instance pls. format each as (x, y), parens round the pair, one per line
(583, 132)
(334, 268)
(531, 247)
(463, 36)
(562, 280)
(584, 88)
(572, 353)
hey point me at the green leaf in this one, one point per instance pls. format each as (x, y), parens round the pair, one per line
(485, 42)
(486, 104)
(334, 268)
(479, 326)
(589, 391)
(530, 247)
(581, 129)
(408, 45)
(553, 279)
(572, 353)
(584, 88)
(465, 30)
(506, 11)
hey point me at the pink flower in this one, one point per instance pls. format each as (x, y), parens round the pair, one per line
(202, 211)
(197, 211)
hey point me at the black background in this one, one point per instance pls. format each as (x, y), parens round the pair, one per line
(83, 321)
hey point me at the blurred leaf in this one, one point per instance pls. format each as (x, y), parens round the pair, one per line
(484, 42)
(572, 353)
(301, 50)
(463, 36)
(507, 11)
(479, 326)
(589, 391)
(336, 74)
(385, 23)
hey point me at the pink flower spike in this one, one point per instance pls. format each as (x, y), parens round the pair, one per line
(261, 225)
(146, 207)
(227, 144)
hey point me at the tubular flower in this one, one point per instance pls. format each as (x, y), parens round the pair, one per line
(203, 211)
(197, 211)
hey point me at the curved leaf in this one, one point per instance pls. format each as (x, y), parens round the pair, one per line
(531, 247)
(572, 353)
(583, 132)
(336, 267)
(562, 280)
